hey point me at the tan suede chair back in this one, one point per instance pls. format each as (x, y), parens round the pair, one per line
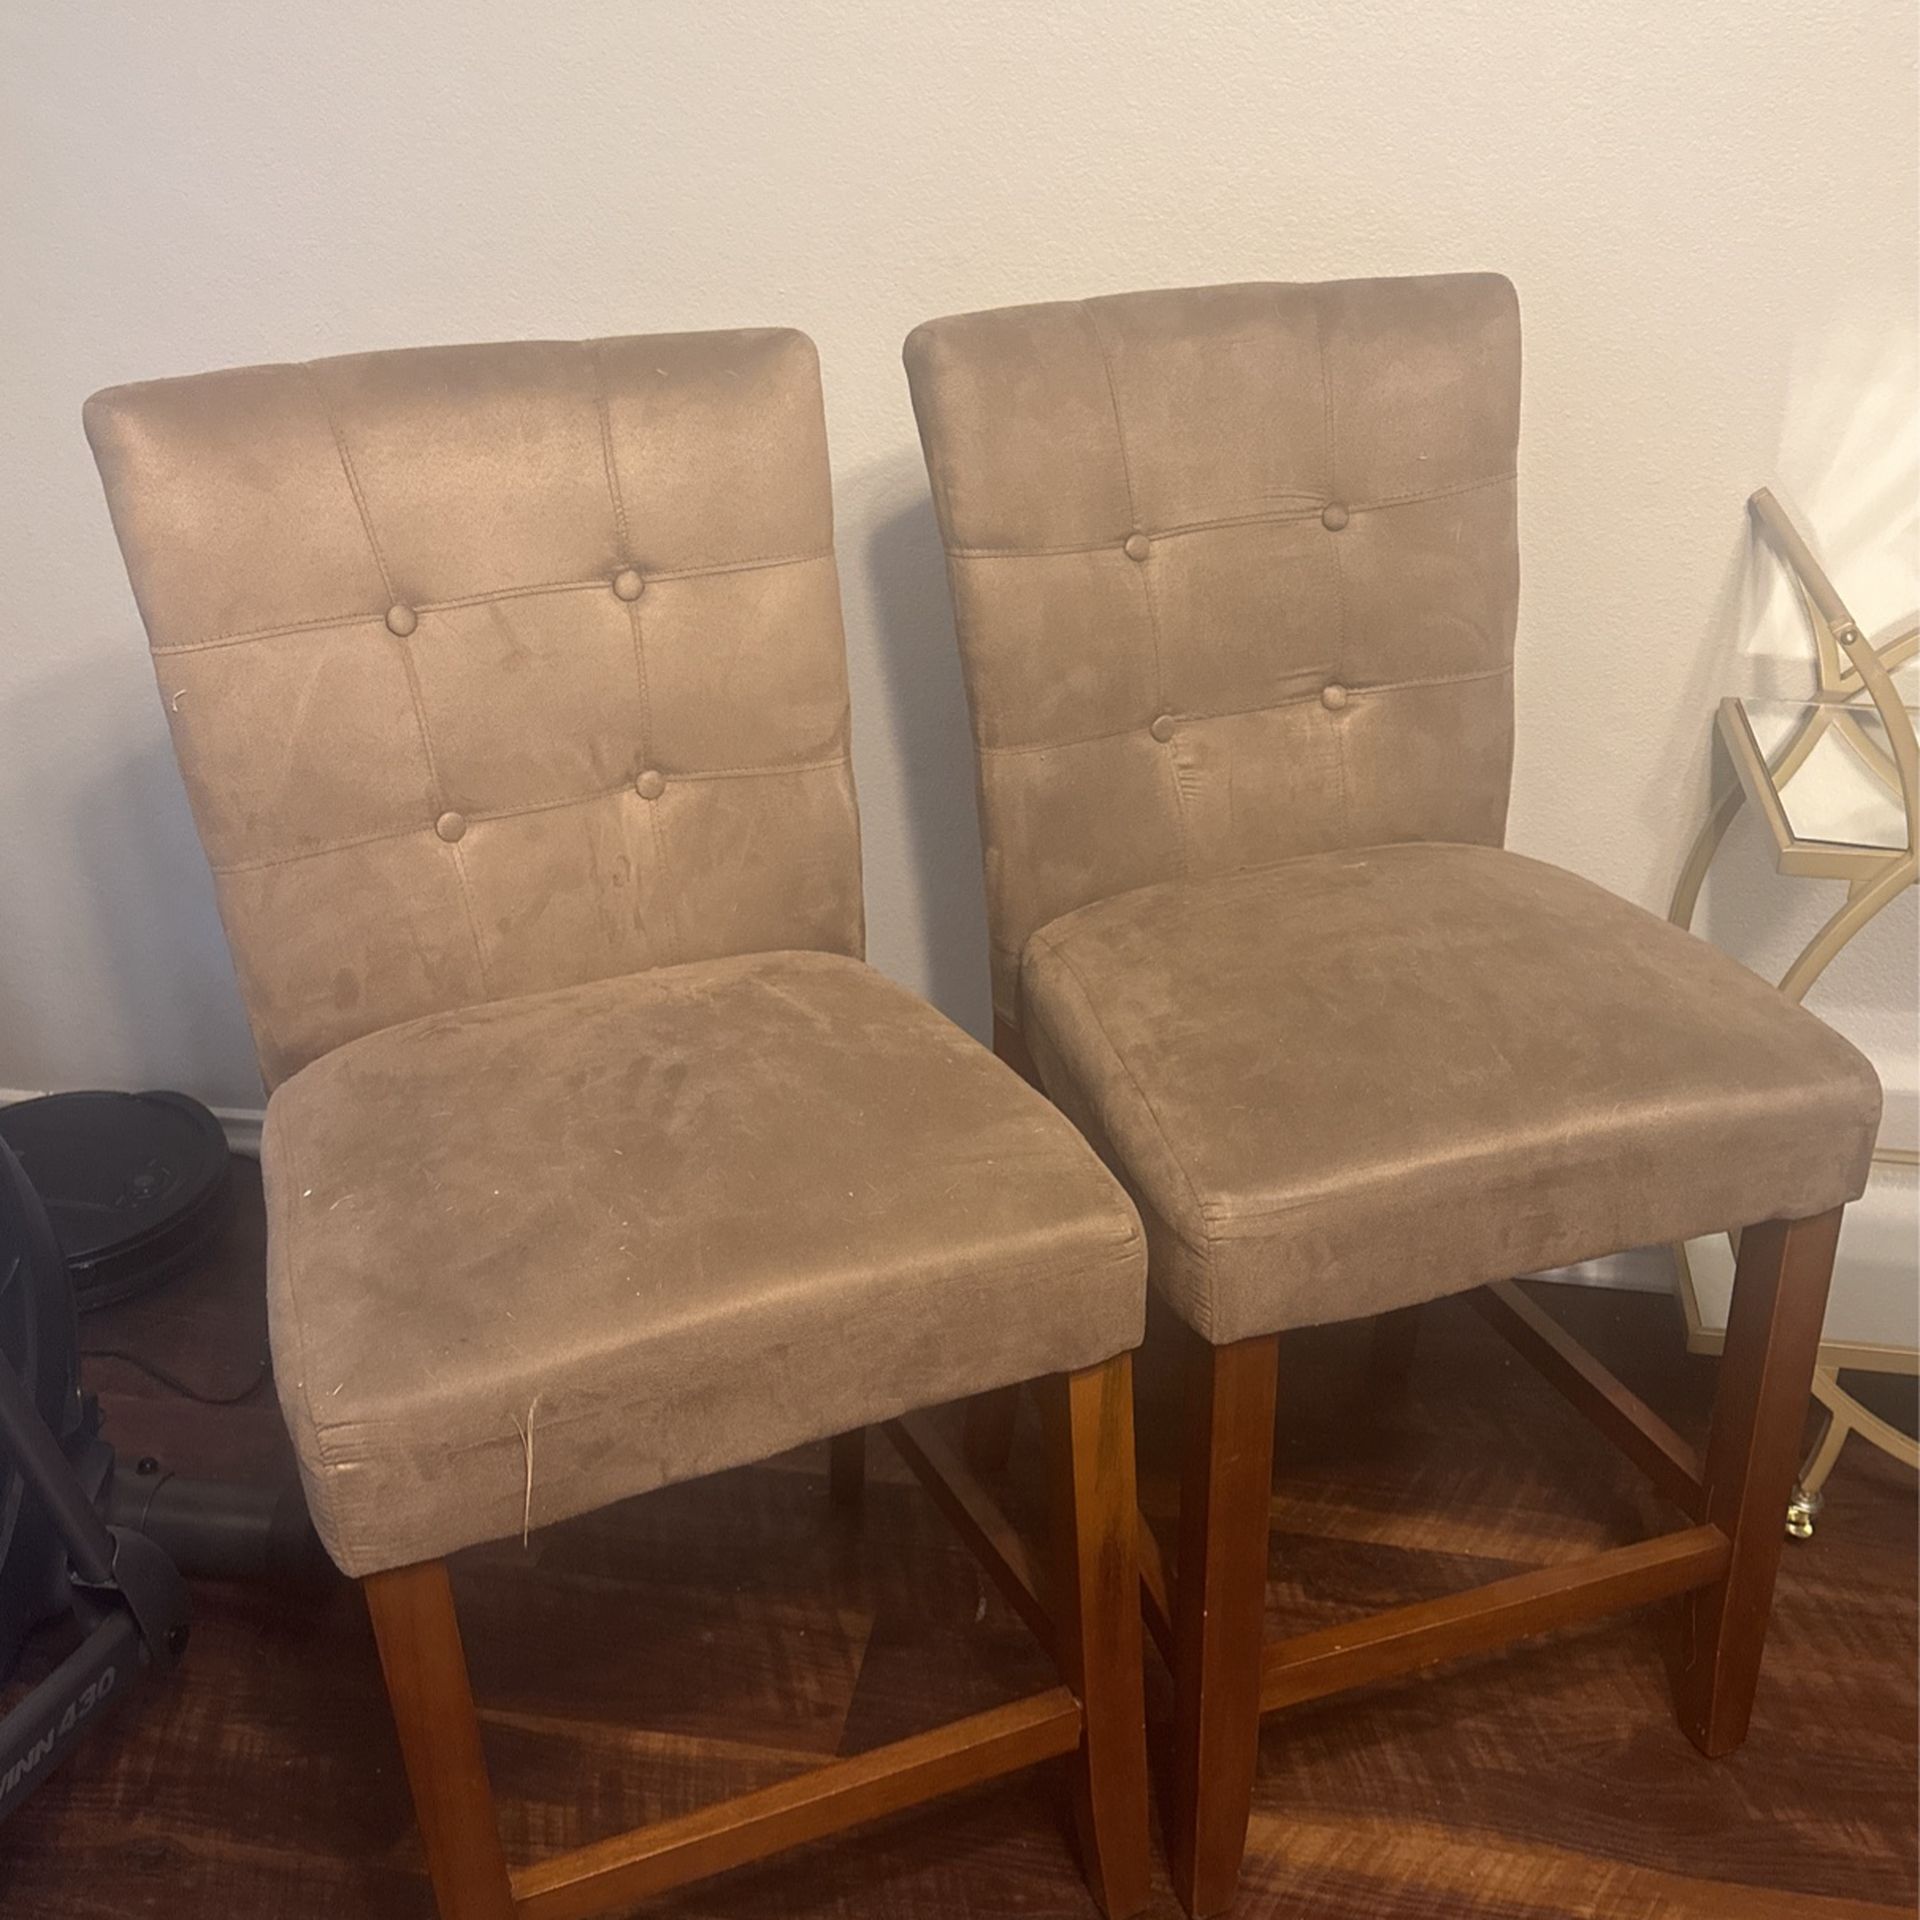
(495, 668)
(1235, 571)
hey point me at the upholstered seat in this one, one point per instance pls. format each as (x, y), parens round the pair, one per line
(643, 1229)
(1353, 1081)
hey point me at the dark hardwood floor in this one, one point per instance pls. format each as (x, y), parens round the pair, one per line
(718, 1636)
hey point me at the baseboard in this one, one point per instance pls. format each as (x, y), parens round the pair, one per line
(241, 1125)
(1644, 1270)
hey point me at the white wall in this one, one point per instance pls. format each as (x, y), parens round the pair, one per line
(1709, 209)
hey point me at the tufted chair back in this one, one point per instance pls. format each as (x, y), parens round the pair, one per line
(495, 668)
(1235, 574)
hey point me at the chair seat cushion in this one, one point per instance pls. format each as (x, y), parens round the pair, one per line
(1357, 1080)
(538, 1255)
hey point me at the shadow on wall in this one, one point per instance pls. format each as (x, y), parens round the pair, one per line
(152, 978)
(925, 851)
(139, 836)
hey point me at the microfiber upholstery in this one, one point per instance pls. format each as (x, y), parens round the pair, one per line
(1357, 1080)
(495, 668)
(1235, 573)
(533, 1256)
(1235, 579)
(509, 689)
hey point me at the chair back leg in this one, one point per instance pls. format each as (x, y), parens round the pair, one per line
(1095, 1609)
(432, 1700)
(1759, 1417)
(1220, 1596)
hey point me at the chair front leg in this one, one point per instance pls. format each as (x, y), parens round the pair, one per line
(1759, 1416)
(432, 1699)
(1220, 1595)
(1095, 1607)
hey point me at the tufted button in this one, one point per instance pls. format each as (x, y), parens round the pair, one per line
(1333, 516)
(450, 826)
(401, 619)
(1162, 728)
(1138, 546)
(650, 785)
(1333, 696)
(627, 584)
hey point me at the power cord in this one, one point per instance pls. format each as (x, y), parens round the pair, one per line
(172, 1381)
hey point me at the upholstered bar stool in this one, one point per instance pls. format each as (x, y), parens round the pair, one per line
(1235, 573)
(509, 690)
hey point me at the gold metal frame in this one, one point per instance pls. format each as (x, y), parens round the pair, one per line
(1847, 667)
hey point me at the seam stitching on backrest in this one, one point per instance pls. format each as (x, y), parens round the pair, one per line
(364, 616)
(352, 479)
(1228, 521)
(639, 652)
(1339, 572)
(603, 408)
(411, 669)
(772, 771)
(1246, 713)
(1146, 585)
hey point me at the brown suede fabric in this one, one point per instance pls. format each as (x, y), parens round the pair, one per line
(1361, 1079)
(1180, 527)
(495, 668)
(509, 689)
(671, 1223)
(1235, 575)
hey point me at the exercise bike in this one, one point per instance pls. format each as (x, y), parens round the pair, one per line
(80, 1539)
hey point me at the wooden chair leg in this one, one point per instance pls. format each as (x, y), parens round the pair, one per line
(1759, 1416)
(1095, 1605)
(987, 1434)
(1219, 1603)
(426, 1672)
(847, 1469)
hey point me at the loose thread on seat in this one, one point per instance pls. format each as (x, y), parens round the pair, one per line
(526, 1445)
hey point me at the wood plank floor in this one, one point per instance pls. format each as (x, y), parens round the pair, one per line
(719, 1636)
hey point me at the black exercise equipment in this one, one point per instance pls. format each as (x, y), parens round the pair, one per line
(79, 1538)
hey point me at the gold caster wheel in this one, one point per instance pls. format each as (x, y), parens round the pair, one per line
(1802, 1510)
